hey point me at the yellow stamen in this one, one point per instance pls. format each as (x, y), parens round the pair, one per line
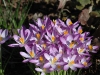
(41, 59)
(21, 40)
(81, 39)
(71, 63)
(58, 66)
(54, 21)
(80, 31)
(80, 51)
(90, 47)
(43, 27)
(38, 36)
(32, 54)
(65, 32)
(54, 60)
(53, 38)
(44, 45)
(70, 23)
(1, 38)
(72, 44)
(85, 63)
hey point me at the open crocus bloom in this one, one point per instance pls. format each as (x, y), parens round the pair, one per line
(71, 63)
(23, 39)
(31, 53)
(55, 45)
(3, 36)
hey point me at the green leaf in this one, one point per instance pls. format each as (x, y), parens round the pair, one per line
(95, 13)
(84, 2)
(79, 7)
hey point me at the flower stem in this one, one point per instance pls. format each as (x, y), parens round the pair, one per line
(1, 70)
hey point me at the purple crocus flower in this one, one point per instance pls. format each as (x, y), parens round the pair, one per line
(71, 63)
(42, 70)
(23, 39)
(90, 47)
(31, 53)
(52, 60)
(3, 36)
(86, 62)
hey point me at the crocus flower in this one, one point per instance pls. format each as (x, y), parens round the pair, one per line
(90, 47)
(86, 62)
(31, 53)
(23, 39)
(52, 60)
(42, 70)
(71, 63)
(3, 36)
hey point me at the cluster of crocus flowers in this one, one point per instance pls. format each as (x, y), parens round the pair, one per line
(55, 45)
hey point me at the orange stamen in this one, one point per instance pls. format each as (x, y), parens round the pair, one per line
(38, 36)
(85, 63)
(41, 59)
(32, 54)
(43, 27)
(1, 38)
(21, 40)
(54, 60)
(71, 62)
(90, 47)
(53, 38)
(80, 31)
(65, 32)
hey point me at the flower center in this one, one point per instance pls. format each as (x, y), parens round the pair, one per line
(85, 63)
(81, 39)
(38, 36)
(41, 59)
(22, 40)
(32, 54)
(58, 66)
(1, 38)
(53, 38)
(72, 44)
(71, 63)
(42, 27)
(65, 32)
(70, 23)
(90, 47)
(80, 31)
(54, 60)
(80, 50)
(44, 45)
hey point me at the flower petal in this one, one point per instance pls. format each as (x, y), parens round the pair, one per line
(69, 38)
(4, 33)
(66, 67)
(47, 56)
(38, 69)
(46, 65)
(34, 61)
(25, 55)
(62, 40)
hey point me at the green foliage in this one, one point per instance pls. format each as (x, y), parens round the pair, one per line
(13, 19)
(82, 4)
